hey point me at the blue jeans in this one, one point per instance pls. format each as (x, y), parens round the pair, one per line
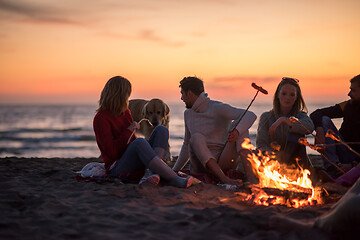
(140, 152)
(335, 153)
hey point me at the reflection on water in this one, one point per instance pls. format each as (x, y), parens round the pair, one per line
(66, 130)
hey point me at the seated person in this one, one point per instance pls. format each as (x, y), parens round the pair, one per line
(276, 133)
(336, 153)
(125, 155)
(208, 143)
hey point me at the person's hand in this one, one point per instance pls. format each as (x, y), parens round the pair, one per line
(233, 135)
(134, 126)
(277, 123)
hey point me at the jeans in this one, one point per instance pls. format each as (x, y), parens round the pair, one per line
(335, 153)
(140, 152)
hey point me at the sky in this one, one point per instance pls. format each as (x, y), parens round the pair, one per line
(64, 51)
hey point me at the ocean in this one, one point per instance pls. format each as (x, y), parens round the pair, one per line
(66, 131)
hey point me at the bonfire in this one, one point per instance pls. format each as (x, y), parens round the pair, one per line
(280, 183)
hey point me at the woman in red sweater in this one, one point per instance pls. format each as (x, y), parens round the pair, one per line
(113, 126)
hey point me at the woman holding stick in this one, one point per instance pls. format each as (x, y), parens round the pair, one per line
(276, 133)
(114, 125)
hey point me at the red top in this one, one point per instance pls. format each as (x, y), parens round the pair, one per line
(112, 135)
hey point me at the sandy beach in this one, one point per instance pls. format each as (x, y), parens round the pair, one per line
(40, 198)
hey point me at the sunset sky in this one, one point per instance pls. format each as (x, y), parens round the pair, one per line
(64, 51)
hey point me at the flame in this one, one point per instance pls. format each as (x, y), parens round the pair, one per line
(280, 177)
(331, 134)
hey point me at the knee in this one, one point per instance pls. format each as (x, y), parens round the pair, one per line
(162, 131)
(139, 142)
(326, 121)
(197, 138)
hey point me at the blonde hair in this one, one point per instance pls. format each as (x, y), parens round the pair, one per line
(114, 97)
(299, 104)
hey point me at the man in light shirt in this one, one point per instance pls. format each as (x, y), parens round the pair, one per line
(209, 142)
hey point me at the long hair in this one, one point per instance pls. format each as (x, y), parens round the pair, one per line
(299, 104)
(114, 97)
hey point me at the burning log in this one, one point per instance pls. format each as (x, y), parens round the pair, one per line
(287, 194)
(292, 188)
(279, 183)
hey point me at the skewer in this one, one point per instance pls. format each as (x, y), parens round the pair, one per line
(144, 119)
(304, 141)
(296, 120)
(259, 89)
(331, 134)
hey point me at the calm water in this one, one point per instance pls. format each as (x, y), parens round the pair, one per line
(66, 130)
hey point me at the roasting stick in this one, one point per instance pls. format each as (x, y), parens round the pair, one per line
(296, 120)
(331, 134)
(306, 143)
(314, 147)
(144, 119)
(259, 89)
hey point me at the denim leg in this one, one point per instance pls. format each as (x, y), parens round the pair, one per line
(336, 153)
(293, 149)
(136, 157)
(330, 151)
(159, 138)
(345, 155)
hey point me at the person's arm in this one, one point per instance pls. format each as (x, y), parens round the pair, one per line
(278, 123)
(184, 153)
(107, 143)
(316, 116)
(235, 114)
(182, 159)
(306, 126)
(246, 122)
(332, 112)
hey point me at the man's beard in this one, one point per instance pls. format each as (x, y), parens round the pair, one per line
(188, 106)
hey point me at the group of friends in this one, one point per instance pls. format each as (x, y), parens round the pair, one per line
(214, 136)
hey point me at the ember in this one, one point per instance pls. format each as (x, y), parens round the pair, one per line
(279, 183)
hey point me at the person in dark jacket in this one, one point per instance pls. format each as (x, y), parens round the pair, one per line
(349, 132)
